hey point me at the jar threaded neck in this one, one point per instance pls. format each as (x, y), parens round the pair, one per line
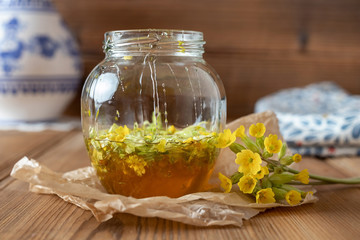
(154, 41)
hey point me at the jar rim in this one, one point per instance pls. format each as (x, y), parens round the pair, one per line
(155, 30)
(166, 33)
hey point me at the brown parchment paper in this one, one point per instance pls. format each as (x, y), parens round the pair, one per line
(82, 188)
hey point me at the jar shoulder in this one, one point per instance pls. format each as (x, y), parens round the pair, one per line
(165, 70)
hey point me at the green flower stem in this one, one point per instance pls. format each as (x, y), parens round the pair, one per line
(310, 183)
(270, 161)
(327, 180)
(288, 187)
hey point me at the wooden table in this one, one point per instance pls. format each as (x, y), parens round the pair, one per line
(26, 215)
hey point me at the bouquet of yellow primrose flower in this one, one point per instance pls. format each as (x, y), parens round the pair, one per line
(264, 170)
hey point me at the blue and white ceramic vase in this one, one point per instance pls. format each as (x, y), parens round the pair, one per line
(40, 67)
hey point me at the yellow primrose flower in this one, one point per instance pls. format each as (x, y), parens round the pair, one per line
(189, 140)
(240, 132)
(226, 183)
(137, 164)
(249, 162)
(265, 196)
(293, 197)
(263, 171)
(247, 184)
(171, 129)
(128, 57)
(257, 130)
(272, 144)
(225, 139)
(296, 158)
(121, 133)
(97, 155)
(303, 176)
(161, 145)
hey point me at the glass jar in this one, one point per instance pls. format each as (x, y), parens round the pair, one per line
(151, 111)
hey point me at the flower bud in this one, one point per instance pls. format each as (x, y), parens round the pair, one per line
(236, 147)
(236, 177)
(286, 160)
(279, 193)
(281, 178)
(250, 144)
(260, 142)
(266, 154)
(282, 150)
(265, 183)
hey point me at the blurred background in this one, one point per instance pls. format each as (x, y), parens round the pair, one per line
(257, 47)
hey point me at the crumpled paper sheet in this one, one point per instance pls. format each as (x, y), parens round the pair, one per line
(82, 188)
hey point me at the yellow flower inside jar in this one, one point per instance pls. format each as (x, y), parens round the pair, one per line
(153, 112)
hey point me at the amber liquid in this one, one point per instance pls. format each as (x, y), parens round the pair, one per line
(173, 174)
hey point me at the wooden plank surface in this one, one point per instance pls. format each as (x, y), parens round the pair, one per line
(256, 46)
(25, 215)
(14, 145)
(230, 25)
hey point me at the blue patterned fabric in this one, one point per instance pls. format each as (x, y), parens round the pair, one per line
(320, 119)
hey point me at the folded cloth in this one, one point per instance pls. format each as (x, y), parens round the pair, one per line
(320, 119)
(326, 151)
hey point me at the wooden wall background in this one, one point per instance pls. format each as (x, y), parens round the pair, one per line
(256, 46)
